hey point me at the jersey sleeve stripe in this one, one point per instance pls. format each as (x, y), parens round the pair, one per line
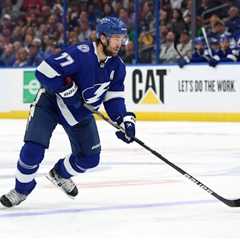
(113, 94)
(45, 69)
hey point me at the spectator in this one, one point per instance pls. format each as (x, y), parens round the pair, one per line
(233, 21)
(176, 4)
(146, 15)
(177, 24)
(129, 53)
(7, 57)
(218, 29)
(51, 48)
(108, 10)
(16, 45)
(187, 18)
(146, 46)
(7, 21)
(163, 33)
(7, 8)
(168, 53)
(58, 12)
(92, 18)
(185, 44)
(214, 19)
(124, 16)
(21, 58)
(29, 4)
(35, 57)
(45, 11)
(28, 40)
(6, 33)
(164, 19)
(85, 31)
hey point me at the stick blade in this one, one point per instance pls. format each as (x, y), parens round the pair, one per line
(232, 203)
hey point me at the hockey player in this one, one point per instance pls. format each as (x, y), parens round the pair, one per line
(88, 73)
(200, 55)
(227, 53)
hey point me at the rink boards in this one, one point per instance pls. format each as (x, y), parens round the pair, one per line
(154, 92)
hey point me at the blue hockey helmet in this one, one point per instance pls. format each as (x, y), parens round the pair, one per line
(199, 40)
(110, 26)
(224, 38)
(214, 40)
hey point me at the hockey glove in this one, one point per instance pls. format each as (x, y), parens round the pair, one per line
(212, 62)
(183, 61)
(70, 94)
(127, 122)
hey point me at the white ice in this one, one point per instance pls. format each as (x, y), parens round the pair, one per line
(131, 195)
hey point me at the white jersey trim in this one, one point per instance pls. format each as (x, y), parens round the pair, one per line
(112, 94)
(66, 112)
(47, 70)
(70, 91)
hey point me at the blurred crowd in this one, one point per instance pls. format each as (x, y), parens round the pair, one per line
(220, 20)
(31, 30)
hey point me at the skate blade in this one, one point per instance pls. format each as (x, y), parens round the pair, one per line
(55, 184)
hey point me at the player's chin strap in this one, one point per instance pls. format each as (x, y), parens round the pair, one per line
(229, 202)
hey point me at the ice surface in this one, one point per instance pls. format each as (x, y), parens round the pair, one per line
(131, 194)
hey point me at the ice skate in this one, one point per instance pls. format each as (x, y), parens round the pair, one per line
(13, 198)
(67, 185)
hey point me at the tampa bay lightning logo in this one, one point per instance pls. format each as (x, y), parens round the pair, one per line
(94, 95)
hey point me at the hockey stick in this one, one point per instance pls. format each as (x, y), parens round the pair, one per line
(179, 53)
(207, 42)
(229, 202)
(176, 49)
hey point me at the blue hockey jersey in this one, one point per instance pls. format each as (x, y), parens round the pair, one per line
(75, 76)
(228, 55)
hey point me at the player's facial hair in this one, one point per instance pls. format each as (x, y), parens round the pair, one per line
(105, 48)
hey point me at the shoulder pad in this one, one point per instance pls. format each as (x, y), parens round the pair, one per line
(83, 48)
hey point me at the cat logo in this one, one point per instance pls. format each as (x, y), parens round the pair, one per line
(148, 86)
